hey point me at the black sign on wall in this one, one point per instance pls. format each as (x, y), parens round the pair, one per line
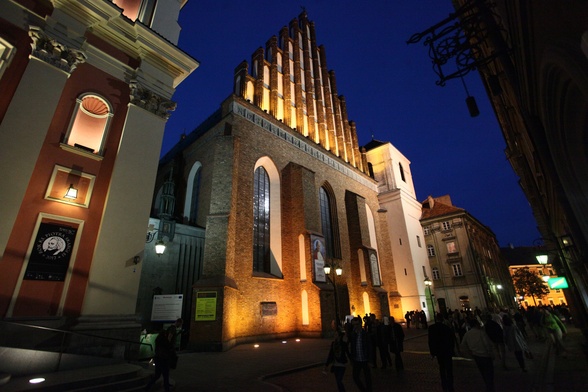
(51, 252)
(269, 309)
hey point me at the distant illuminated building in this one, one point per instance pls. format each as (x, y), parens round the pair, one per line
(525, 257)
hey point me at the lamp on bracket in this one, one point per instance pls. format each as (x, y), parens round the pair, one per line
(542, 259)
(428, 284)
(338, 272)
(71, 193)
(159, 244)
(159, 247)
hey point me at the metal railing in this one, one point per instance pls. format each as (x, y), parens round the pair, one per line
(24, 336)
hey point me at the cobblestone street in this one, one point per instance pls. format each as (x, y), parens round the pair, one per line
(297, 366)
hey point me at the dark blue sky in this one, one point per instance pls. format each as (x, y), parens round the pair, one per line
(389, 88)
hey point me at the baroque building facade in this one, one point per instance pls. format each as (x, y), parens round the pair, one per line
(86, 93)
(526, 257)
(467, 268)
(276, 180)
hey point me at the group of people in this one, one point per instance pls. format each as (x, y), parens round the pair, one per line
(483, 336)
(417, 318)
(546, 323)
(359, 341)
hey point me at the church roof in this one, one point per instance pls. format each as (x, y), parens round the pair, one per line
(374, 144)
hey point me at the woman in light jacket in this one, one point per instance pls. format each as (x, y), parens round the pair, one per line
(477, 344)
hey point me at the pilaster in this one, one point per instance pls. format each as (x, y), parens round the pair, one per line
(25, 125)
(114, 285)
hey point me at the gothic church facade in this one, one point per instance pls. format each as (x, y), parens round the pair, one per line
(277, 180)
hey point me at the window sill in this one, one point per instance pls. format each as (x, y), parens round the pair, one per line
(81, 152)
(265, 275)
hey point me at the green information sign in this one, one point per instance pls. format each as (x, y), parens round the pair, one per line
(558, 283)
(205, 306)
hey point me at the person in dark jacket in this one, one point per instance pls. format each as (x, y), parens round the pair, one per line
(165, 353)
(359, 350)
(496, 335)
(384, 332)
(397, 343)
(441, 346)
(337, 357)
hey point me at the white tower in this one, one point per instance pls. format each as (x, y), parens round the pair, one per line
(403, 212)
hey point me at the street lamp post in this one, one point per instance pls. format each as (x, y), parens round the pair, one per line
(428, 284)
(542, 259)
(338, 272)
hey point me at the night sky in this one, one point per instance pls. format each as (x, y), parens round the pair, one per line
(389, 87)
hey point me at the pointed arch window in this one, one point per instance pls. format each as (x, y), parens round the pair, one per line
(192, 194)
(89, 124)
(238, 86)
(261, 221)
(194, 201)
(329, 225)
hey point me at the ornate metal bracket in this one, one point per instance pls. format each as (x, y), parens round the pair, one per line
(460, 37)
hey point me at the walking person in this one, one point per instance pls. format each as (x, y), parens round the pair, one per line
(556, 329)
(476, 344)
(441, 346)
(371, 326)
(397, 344)
(416, 318)
(164, 359)
(520, 323)
(384, 332)
(496, 335)
(423, 319)
(337, 357)
(515, 341)
(407, 317)
(359, 347)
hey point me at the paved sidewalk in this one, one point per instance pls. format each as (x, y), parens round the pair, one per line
(297, 366)
(568, 372)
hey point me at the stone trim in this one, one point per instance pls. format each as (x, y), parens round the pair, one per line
(52, 52)
(150, 101)
(300, 144)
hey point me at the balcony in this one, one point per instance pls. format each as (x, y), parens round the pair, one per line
(453, 257)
